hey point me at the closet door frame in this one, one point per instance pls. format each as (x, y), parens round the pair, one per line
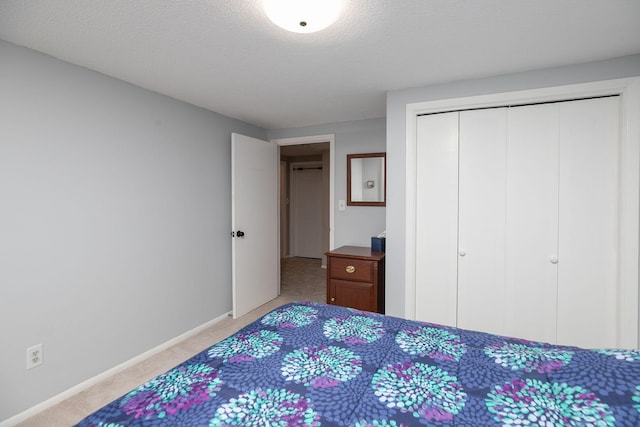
(629, 198)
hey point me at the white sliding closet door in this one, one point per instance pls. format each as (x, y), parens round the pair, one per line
(437, 220)
(481, 247)
(532, 221)
(588, 240)
(517, 221)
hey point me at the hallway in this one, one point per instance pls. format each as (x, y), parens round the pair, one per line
(302, 279)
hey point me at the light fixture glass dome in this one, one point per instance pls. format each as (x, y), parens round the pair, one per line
(303, 16)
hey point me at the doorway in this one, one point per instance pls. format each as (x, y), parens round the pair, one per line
(306, 214)
(305, 196)
(328, 159)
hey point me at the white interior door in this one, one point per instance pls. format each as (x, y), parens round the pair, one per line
(482, 184)
(532, 222)
(437, 218)
(588, 260)
(306, 210)
(254, 219)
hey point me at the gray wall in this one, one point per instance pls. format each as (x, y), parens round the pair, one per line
(356, 224)
(396, 140)
(114, 222)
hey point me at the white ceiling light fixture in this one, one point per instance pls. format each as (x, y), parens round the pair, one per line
(303, 16)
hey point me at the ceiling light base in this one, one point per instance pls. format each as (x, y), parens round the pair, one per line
(303, 16)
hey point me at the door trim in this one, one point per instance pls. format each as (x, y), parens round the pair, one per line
(629, 209)
(316, 139)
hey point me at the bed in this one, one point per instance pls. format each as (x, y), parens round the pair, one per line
(309, 364)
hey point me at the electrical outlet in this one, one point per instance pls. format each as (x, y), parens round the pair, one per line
(34, 356)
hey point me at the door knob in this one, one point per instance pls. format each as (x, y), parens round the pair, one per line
(240, 233)
(462, 253)
(553, 260)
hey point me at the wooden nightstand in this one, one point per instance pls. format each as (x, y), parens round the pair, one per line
(355, 278)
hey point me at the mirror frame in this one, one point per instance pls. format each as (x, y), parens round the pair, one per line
(365, 156)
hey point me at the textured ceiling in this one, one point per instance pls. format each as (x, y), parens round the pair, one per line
(226, 56)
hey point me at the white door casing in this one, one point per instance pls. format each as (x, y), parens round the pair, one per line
(254, 221)
(625, 198)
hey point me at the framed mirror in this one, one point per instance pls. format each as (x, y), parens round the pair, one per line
(366, 179)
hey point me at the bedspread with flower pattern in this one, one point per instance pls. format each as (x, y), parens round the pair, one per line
(307, 364)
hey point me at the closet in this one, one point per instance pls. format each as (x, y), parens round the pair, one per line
(517, 220)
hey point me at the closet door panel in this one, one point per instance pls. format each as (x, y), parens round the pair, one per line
(532, 222)
(587, 268)
(481, 241)
(437, 218)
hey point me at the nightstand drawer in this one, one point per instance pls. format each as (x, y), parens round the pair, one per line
(351, 269)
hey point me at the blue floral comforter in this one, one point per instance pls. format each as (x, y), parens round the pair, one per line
(307, 364)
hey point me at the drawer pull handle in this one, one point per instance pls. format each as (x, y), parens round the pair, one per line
(333, 300)
(350, 269)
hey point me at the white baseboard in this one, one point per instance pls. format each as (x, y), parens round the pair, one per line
(49, 403)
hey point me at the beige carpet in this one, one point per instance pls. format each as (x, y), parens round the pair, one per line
(302, 279)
